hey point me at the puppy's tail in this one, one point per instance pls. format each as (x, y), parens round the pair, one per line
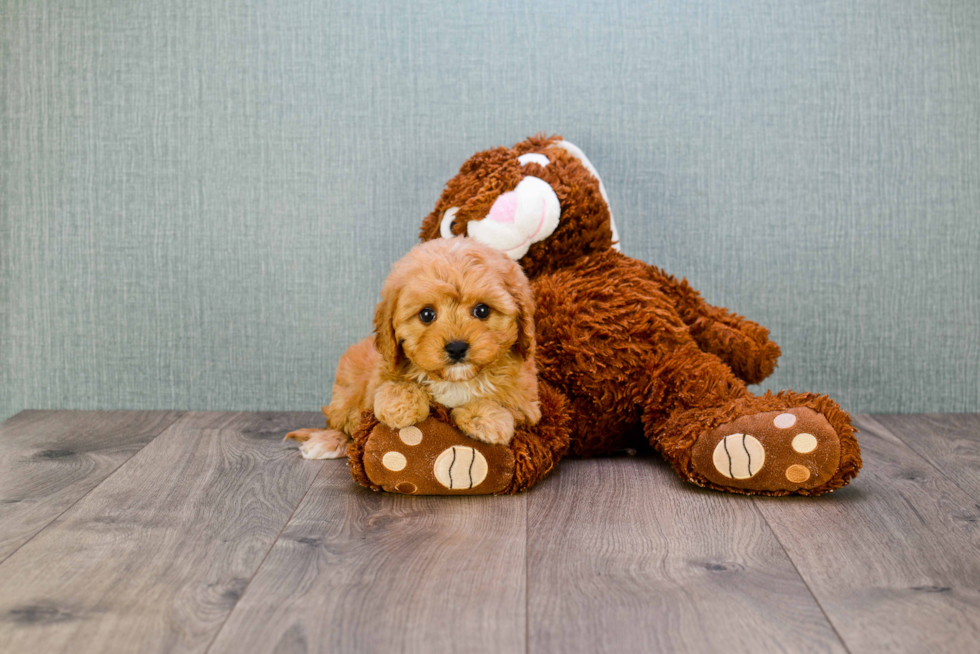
(320, 443)
(305, 434)
(358, 377)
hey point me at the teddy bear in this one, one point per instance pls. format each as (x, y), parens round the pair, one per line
(627, 355)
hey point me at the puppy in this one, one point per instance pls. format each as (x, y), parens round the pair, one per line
(455, 325)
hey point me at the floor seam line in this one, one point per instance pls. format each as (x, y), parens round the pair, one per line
(527, 573)
(266, 556)
(921, 456)
(89, 491)
(799, 574)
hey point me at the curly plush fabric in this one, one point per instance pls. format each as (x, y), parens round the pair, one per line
(538, 449)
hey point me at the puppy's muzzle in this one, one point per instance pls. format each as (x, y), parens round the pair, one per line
(457, 350)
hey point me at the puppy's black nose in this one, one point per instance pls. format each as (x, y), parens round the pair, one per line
(457, 350)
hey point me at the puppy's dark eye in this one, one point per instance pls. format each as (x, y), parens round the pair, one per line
(427, 315)
(481, 311)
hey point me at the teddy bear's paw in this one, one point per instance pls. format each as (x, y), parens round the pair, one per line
(789, 451)
(320, 443)
(435, 458)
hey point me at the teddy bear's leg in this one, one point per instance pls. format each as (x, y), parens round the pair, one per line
(715, 433)
(740, 343)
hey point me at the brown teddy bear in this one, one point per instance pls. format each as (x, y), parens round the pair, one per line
(626, 354)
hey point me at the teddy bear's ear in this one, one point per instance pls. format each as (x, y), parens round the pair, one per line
(430, 227)
(576, 152)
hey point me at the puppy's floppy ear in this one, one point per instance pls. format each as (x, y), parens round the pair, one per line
(520, 289)
(384, 327)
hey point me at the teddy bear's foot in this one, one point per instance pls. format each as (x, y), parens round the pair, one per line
(794, 450)
(434, 458)
(320, 443)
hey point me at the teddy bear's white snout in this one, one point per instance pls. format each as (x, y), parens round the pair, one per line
(519, 218)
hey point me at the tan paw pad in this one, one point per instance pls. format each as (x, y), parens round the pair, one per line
(797, 474)
(739, 456)
(460, 467)
(410, 435)
(394, 461)
(804, 443)
(784, 420)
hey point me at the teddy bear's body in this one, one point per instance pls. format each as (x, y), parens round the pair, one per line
(627, 353)
(600, 343)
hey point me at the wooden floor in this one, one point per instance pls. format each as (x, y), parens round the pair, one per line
(167, 531)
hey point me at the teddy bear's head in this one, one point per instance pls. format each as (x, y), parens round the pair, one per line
(541, 202)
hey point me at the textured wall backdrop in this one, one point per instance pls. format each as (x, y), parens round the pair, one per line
(201, 199)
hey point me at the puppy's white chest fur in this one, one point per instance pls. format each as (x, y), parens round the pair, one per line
(457, 393)
(451, 394)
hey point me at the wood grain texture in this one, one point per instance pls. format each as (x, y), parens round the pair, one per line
(156, 556)
(50, 459)
(623, 557)
(358, 571)
(216, 536)
(893, 559)
(950, 442)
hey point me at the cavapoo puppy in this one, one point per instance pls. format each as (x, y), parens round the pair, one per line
(455, 325)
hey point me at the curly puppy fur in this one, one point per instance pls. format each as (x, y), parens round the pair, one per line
(445, 294)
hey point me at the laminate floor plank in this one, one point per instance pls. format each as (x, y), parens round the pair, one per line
(146, 531)
(624, 557)
(950, 442)
(156, 556)
(359, 571)
(894, 558)
(50, 459)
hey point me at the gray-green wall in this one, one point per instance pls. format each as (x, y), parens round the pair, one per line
(201, 199)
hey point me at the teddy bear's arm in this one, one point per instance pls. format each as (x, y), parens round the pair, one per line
(741, 343)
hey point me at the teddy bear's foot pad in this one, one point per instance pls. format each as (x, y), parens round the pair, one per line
(790, 450)
(433, 458)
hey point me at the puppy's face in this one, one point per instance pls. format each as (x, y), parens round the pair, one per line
(451, 308)
(451, 331)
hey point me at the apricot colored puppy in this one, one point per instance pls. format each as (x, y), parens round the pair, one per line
(455, 325)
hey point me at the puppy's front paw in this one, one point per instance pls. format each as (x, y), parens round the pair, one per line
(398, 404)
(320, 443)
(485, 421)
(532, 413)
